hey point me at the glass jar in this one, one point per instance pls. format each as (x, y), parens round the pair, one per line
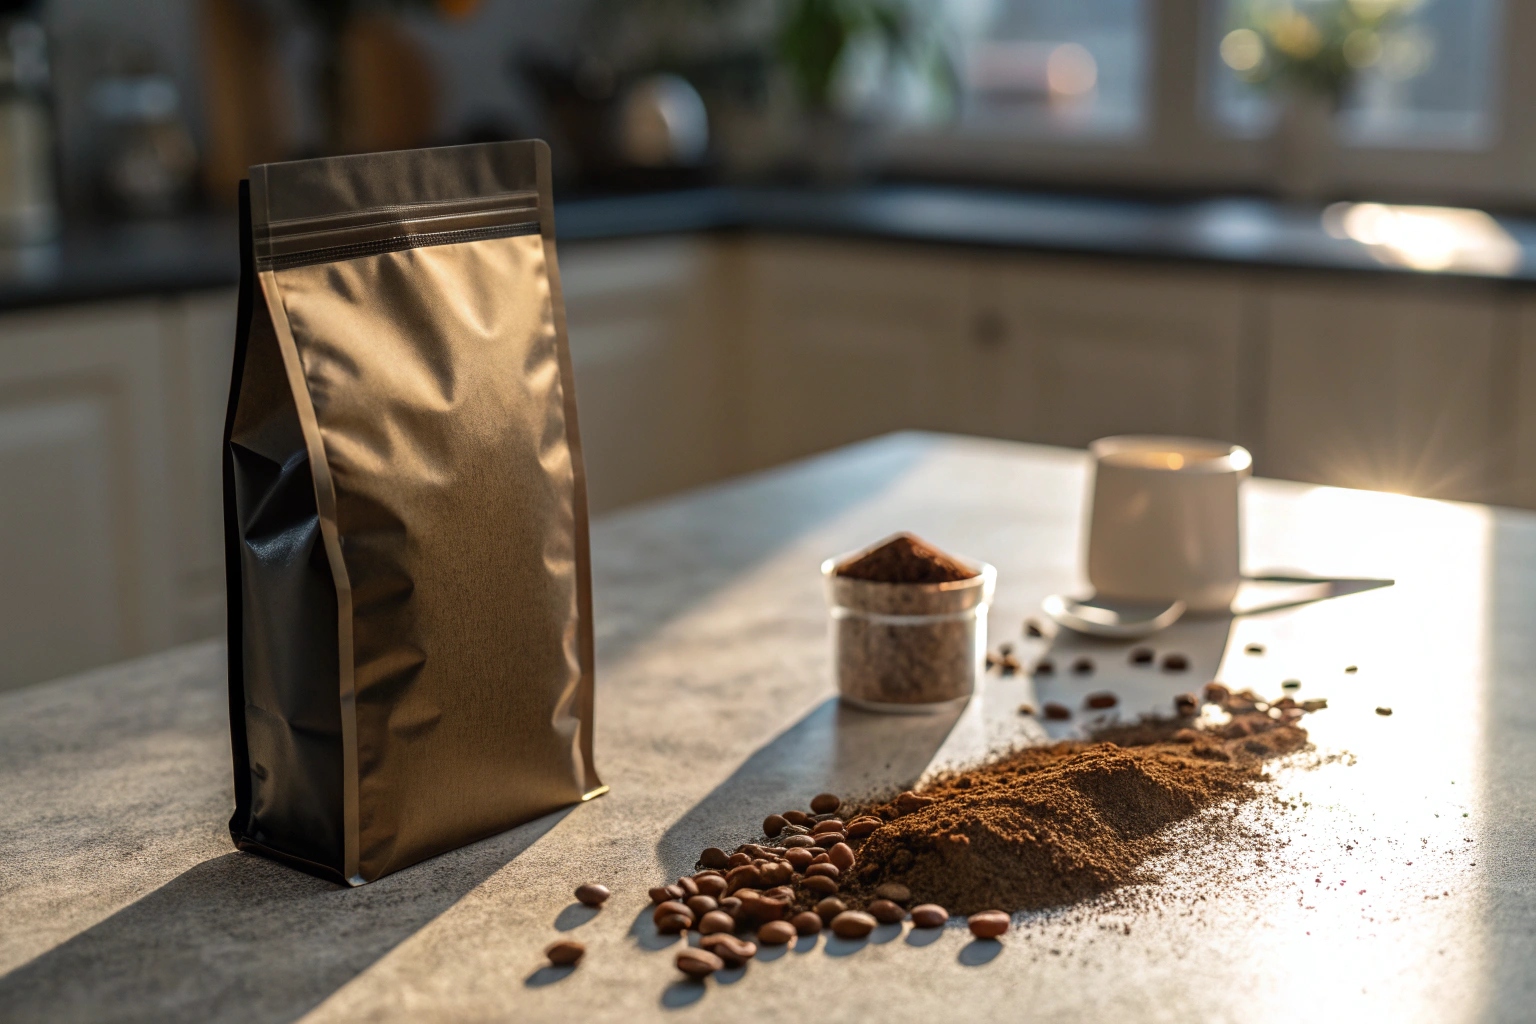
(908, 647)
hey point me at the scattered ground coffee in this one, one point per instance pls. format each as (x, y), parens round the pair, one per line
(1053, 825)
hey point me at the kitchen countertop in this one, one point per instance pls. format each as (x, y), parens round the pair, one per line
(103, 262)
(1397, 885)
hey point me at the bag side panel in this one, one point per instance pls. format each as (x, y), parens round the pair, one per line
(583, 709)
(288, 714)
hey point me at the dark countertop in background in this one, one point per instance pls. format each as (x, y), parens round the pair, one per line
(163, 258)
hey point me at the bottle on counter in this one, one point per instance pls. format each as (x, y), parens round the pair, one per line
(29, 210)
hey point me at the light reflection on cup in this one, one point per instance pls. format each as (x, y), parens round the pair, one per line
(1165, 520)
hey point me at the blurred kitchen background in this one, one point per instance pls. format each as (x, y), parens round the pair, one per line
(785, 225)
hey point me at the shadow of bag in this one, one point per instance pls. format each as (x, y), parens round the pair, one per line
(410, 638)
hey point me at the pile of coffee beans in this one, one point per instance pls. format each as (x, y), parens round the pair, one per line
(771, 893)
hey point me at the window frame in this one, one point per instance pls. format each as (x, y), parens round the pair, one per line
(1183, 147)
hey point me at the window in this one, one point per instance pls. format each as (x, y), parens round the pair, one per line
(1426, 80)
(1053, 66)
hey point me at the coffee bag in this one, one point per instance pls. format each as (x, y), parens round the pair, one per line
(410, 642)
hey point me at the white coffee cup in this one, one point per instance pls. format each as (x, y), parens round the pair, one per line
(1166, 523)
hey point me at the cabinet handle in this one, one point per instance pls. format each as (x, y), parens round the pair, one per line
(989, 329)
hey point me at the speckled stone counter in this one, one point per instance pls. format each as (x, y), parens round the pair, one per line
(1400, 886)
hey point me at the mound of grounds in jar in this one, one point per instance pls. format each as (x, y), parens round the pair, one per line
(1052, 825)
(905, 558)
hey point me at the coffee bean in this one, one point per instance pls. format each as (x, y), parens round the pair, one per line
(732, 951)
(662, 893)
(1082, 665)
(776, 933)
(782, 893)
(592, 894)
(988, 924)
(671, 907)
(716, 921)
(830, 825)
(1175, 663)
(711, 885)
(1044, 667)
(1100, 701)
(1216, 693)
(1142, 655)
(797, 817)
(825, 803)
(858, 828)
(821, 857)
(885, 911)
(829, 908)
(737, 860)
(819, 884)
(745, 875)
(773, 904)
(1291, 684)
(564, 952)
(827, 840)
(894, 891)
(730, 904)
(774, 824)
(799, 859)
(671, 924)
(841, 855)
(806, 922)
(701, 905)
(929, 915)
(1351, 669)
(1383, 711)
(716, 858)
(1186, 705)
(1057, 712)
(829, 870)
(1254, 649)
(909, 801)
(852, 924)
(799, 842)
(1026, 709)
(782, 873)
(698, 963)
(1032, 628)
(794, 830)
(688, 885)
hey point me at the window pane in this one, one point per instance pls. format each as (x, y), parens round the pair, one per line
(1426, 78)
(1076, 66)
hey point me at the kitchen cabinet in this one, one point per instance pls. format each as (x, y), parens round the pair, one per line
(653, 365)
(846, 340)
(86, 530)
(1384, 388)
(1071, 351)
(701, 356)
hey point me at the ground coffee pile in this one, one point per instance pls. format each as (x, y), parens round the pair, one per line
(1052, 825)
(906, 558)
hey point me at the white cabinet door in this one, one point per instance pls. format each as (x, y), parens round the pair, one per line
(1080, 351)
(200, 346)
(85, 521)
(1381, 388)
(651, 364)
(848, 340)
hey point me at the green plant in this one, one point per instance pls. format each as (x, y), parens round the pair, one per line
(1317, 46)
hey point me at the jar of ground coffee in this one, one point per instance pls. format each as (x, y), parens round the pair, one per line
(909, 625)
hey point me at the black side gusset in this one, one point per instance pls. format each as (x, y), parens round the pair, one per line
(232, 581)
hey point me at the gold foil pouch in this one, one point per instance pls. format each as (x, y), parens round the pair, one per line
(410, 639)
